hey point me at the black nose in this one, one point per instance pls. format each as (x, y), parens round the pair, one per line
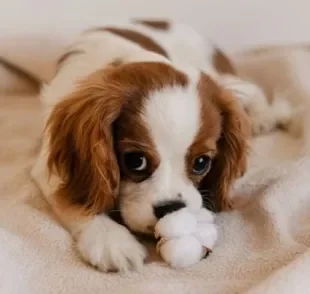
(163, 208)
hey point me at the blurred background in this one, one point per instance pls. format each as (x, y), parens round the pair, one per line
(27, 26)
(234, 24)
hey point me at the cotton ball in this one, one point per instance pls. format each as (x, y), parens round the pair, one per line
(185, 237)
(176, 224)
(205, 216)
(181, 252)
(206, 234)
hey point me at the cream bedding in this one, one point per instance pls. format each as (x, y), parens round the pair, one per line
(263, 246)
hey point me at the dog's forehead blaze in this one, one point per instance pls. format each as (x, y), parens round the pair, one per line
(210, 118)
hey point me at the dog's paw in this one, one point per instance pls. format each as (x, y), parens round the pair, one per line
(265, 118)
(110, 247)
(262, 120)
(255, 103)
(283, 112)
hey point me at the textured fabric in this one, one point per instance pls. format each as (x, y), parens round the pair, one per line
(263, 246)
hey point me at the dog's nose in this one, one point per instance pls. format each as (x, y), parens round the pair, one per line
(163, 208)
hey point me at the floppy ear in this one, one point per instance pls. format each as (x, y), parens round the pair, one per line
(231, 160)
(81, 145)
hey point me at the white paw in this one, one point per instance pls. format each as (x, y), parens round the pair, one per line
(262, 121)
(254, 101)
(110, 246)
(266, 118)
(283, 111)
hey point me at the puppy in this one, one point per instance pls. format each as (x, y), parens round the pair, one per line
(135, 118)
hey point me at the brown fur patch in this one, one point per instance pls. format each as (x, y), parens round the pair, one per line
(84, 125)
(162, 25)
(222, 63)
(131, 135)
(231, 159)
(144, 41)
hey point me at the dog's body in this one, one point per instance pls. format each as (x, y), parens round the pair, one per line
(181, 44)
(137, 115)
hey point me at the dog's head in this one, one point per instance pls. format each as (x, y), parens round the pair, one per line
(147, 136)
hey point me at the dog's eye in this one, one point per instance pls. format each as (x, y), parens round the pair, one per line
(201, 164)
(135, 161)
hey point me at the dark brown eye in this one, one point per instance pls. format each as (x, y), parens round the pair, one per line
(201, 164)
(135, 162)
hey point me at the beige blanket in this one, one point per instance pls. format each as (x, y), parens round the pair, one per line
(263, 247)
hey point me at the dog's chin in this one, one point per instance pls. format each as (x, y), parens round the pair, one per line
(140, 226)
(143, 233)
(146, 231)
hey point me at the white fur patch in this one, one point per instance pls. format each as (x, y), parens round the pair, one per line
(184, 45)
(173, 118)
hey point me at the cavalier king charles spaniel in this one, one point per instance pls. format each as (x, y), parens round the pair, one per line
(138, 119)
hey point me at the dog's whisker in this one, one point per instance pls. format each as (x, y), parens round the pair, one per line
(209, 207)
(115, 210)
(207, 203)
(204, 190)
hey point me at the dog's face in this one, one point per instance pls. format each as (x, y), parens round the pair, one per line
(165, 142)
(147, 136)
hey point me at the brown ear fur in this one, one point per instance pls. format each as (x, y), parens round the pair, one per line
(81, 146)
(231, 160)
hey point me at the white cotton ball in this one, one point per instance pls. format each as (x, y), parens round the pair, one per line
(207, 235)
(205, 216)
(185, 236)
(176, 224)
(182, 252)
